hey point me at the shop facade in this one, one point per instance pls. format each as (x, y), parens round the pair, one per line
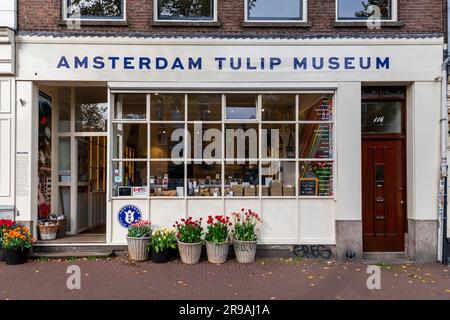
(333, 141)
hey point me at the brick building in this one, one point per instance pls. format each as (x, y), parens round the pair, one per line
(118, 109)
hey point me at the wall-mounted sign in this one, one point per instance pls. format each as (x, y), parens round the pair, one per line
(309, 187)
(129, 214)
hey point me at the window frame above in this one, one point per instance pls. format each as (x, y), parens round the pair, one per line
(394, 14)
(303, 8)
(157, 18)
(65, 17)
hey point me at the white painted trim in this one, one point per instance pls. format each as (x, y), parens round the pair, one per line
(187, 21)
(303, 19)
(394, 14)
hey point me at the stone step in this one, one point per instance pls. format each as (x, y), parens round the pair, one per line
(72, 254)
(386, 257)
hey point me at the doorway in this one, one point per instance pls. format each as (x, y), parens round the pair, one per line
(383, 169)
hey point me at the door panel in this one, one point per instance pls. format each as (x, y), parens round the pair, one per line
(383, 182)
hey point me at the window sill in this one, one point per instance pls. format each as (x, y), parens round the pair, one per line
(268, 24)
(95, 23)
(359, 24)
(213, 24)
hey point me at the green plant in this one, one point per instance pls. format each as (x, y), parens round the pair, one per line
(189, 230)
(245, 223)
(140, 229)
(217, 231)
(17, 238)
(163, 239)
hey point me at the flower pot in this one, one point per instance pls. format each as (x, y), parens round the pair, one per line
(137, 248)
(245, 251)
(2, 255)
(48, 232)
(18, 256)
(217, 253)
(161, 256)
(190, 252)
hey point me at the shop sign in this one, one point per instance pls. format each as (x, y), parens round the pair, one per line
(129, 214)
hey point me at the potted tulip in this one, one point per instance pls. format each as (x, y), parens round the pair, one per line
(5, 226)
(244, 235)
(138, 238)
(17, 243)
(189, 238)
(217, 236)
(162, 244)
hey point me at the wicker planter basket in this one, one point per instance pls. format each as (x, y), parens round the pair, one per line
(190, 252)
(217, 253)
(48, 232)
(245, 251)
(137, 248)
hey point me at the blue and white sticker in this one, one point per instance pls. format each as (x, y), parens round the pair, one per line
(129, 214)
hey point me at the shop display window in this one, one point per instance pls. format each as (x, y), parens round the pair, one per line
(241, 140)
(130, 107)
(167, 107)
(204, 107)
(204, 179)
(205, 141)
(278, 107)
(131, 141)
(316, 141)
(91, 110)
(278, 141)
(241, 106)
(278, 178)
(241, 179)
(166, 179)
(315, 107)
(316, 178)
(167, 140)
(129, 178)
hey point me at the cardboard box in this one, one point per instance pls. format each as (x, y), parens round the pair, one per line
(288, 191)
(265, 191)
(238, 191)
(250, 191)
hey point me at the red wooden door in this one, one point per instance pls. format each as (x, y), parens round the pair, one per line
(384, 195)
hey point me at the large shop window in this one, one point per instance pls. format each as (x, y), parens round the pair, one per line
(186, 10)
(223, 145)
(362, 10)
(94, 9)
(276, 10)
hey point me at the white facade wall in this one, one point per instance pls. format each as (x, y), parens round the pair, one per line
(414, 63)
(8, 14)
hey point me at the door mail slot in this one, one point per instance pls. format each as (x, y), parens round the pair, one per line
(379, 199)
(380, 217)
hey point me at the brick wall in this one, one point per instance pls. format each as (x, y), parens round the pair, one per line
(417, 16)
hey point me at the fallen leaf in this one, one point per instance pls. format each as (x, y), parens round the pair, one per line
(310, 277)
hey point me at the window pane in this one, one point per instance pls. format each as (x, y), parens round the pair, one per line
(186, 9)
(130, 141)
(167, 138)
(166, 179)
(204, 180)
(241, 179)
(130, 106)
(126, 175)
(206, 141)
(316, 107)
(91, 109)
(64, 109)
(64, 159)
(278, 179)
(204, 107)
(278, 107)
(94, 9)
(358, 9)
(167, 107)
(316, 179)
(241, 141)
(283, 144)
(241, 106)
(315, 141)
(275, 9)
(381, 117)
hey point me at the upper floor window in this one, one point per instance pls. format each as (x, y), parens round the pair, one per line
(94, 9)
(186, 10)
(276, 10)
(363, 9)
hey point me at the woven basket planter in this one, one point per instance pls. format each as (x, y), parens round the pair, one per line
(137, 248)
(217, 253)
(48, 232)
(190, 252)
(245, 251)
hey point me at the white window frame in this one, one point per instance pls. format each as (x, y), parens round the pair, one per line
(394, 14)
(304, 13)
(156, 17)
(66, 18)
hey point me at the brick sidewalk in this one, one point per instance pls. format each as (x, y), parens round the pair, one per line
(118, 278)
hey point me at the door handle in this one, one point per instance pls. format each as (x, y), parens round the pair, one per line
(403, 202)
